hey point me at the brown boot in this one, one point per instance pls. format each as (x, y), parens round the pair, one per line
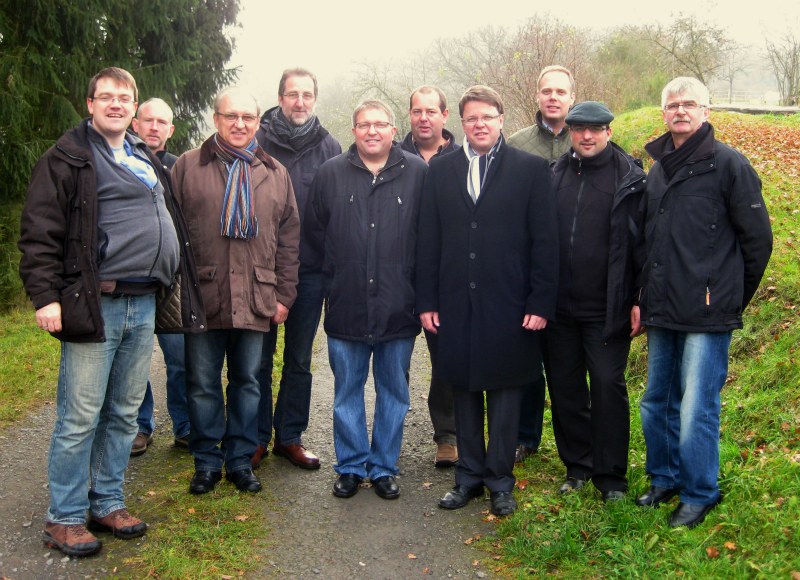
(120, 523)
(261, 453)
(446, 455)
(140, 444)
(72, 539)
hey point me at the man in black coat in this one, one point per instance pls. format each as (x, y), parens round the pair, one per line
(486, 280)
(708, 240)
(598, 190)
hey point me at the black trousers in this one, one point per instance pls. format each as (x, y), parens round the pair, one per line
(591, 420)
(440, 399)
(491, 465)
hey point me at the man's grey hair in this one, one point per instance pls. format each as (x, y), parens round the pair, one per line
(296, 72)
(373, 104)
(238, 91)
(556, 68)
(686, 86)
(156, 101)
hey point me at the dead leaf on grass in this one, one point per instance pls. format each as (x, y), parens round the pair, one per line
(191, 510)
(427, 485)
(730, 546)
(241, 518)
(522, 484)
(712, 552)
(151, 493)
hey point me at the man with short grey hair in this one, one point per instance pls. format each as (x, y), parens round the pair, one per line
(708, 240)
(243, 220)
(294, 135)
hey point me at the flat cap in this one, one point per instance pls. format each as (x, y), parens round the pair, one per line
(589, 113)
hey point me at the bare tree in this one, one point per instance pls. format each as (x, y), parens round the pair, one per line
(732, 65)
(784, 58)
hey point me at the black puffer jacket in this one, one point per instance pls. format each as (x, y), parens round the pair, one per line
(625, 221)
(58, 242)
(363, 231)
(708, 239)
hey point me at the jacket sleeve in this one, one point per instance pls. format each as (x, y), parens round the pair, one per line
(429, 247)
(287, 253)
(43, 231)
(544, 244)
(314, 223)
(750, 221)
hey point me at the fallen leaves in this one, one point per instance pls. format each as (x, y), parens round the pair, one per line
(522, 484)
(412, 556)
(712, 552)
(241, 518)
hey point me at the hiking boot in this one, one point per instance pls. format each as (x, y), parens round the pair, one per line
(140, 443)
(120, 523)
(72, 539)
(446, 455)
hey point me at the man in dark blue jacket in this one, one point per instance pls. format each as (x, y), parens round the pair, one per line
(708, 240)
(599, 190)
(362, 227)
(293, 134)
(428, 113)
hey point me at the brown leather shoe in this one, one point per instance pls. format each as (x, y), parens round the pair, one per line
(140, 444)
(120, 523)
(72, 539)
(297, 454)
(261, 453)
(446, 455)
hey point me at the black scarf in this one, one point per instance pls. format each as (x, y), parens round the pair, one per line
(698, 146)
(297, 137)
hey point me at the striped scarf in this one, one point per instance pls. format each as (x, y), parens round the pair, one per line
(238, 219)
(479, 167)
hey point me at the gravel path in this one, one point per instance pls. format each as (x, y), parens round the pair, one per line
(312, 534)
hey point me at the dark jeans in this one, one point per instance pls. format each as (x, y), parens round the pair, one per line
(591, 419)
(294, 397)
(532, 413)
(231, 419)
(175, 361)
(440, 400)
(480, 463)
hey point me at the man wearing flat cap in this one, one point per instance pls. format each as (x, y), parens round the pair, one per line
(598, 192)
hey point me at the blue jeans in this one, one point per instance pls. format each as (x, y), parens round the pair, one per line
(349, 362)
(294, 397)
(532, 413)
(100, 388)
(680, 411)
(174, 359)
(231, 420)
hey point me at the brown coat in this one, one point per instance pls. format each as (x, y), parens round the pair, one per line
(240, 280)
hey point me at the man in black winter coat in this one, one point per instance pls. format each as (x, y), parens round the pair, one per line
(599, 191)
(486, 281)
(708, 240)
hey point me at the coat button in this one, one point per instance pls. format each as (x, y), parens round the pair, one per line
(472, 255)
(474, 225)
(655, 264)
(661, 210)
(372, 225)
(472, 285)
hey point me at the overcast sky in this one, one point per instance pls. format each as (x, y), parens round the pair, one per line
(332, 37)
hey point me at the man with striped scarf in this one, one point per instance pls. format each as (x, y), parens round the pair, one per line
(243, 218)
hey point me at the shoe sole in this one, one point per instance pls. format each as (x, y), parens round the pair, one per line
(95, 526)
(138, 452)
(344, 495)
(445, 463)
(50, 542)
(291, 460)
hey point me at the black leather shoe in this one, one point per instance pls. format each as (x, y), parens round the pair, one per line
(204, 481)
(386, 487)
(244, 480)
(690, 515)
(656, 496)
(571, 484)
(503, 503)
(613, 495)
(459, 496)
(347, 485)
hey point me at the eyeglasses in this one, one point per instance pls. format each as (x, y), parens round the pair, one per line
(293, 96)
(485, 119)
(233, 118)
(593, 129)
(379, 126)
(687, 106)
(106, 99)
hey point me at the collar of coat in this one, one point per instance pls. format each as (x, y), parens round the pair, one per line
(208, 152)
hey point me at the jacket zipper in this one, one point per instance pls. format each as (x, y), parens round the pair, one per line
(160, 232)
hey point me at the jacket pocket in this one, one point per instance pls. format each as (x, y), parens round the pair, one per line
(264, 300)
(209, 289)
(168, 306)
(76, 314)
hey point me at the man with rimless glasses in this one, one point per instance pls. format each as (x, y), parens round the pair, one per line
(100, 235)
(361, 225)
(293, 135)
(243, 221)
(708, 239)
(486, 282)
